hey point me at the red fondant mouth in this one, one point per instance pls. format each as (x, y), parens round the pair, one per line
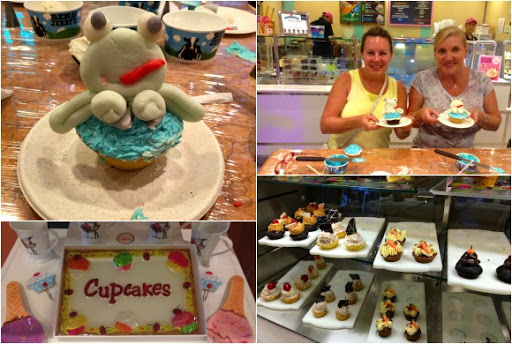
(135, 74)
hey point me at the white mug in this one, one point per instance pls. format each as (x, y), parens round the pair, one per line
(163, 232)
(91, 232)
(34, 236)
(206, 235)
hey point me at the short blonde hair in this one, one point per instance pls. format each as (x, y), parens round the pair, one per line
(447, 32)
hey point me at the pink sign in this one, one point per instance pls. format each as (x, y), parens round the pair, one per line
(490, 65)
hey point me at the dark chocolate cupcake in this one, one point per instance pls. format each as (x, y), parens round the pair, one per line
(503, 271)
(468, 265)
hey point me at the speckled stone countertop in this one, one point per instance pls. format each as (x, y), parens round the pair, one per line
(43, 75)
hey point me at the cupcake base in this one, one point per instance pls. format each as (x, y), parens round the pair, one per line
(300, 236)
(301, 287)
(275, 235)
(414, 337)
(393, 121)
(503, 274)
(319, 314)
(127, 165)
(469, 272)
(385, 332)
(354, 247)
(270, 297)
(411, 318)
(290, 299)
(310, 228)
(394, 258)
(328, 247)
(424, 259)
(342, 317)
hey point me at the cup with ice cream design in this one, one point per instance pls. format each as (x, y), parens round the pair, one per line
(193, 36)
(55, 19)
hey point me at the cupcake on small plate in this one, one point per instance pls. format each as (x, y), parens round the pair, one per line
(289, 294)
(396, 234)
(389, 294)
(412, 331)
(302, 282)
(327, 240)
(356, 282)
(326, 292)
(299, 213)
(391, 251)
(312, 272)
(384, 326)
(319, 307)
(342, 312)
(339, 229)
(270, 292)
(411, 312)
(423, 252)
(350, 294)
(319, 212)
(297, 230)
(387, 307)
(320, 262)
(354, 241)
(275, 230)
(285, 219)
(310, 222)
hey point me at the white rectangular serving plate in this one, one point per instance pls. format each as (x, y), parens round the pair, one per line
(416, 231)
(368, 227)
(287, 241)
(406, 292)
(337, 283)
(200, 336)
(492, 249)
(299, 269)
(470, 318)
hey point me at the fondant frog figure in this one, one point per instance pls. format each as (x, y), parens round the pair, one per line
(457, 106)
(391, 106)
(124, 71)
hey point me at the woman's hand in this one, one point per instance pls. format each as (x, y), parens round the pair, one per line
(426, 116)
(404, 132)
(478, 116)
(368, 122)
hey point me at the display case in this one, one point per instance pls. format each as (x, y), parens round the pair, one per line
(451, 213)
(304, 60)
(507, 61)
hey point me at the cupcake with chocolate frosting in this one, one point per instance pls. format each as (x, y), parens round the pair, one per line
(468, 265)
(503, 271)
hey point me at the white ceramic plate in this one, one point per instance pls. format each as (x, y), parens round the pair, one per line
(416, 231)
(368, 227)
(244, 21)
(469, 318)
(404, 121)
(62, 178)
(406, 292)
(300, 268)
(287, 241)
(337, 283)
(492, 249)
(467, 123)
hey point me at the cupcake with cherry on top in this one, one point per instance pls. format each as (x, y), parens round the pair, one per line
(396, 234)
(384, 326)
(411, 312)
(327, 293)
(312, 272)
(302, 282)
(319, 307)
(285, 219)
(299, 213)
(289, 294)
(297, 230)
(275, 230)
(412, 331)
(423, 252)
(270, 292)
(342, 312)
(309, 222)
(319, 212)
(310, 207)
(391, 251)
(350, 294)
(320, 262)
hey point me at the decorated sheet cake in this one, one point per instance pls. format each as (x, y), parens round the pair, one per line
(149, 291)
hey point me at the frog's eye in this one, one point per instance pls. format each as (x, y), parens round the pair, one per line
(150, 26)
(96, 26)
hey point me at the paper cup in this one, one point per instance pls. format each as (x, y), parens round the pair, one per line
(54, 20)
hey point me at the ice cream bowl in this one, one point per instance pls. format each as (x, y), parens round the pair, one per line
(335, 166)
(121, 16)
(463, 164)
(193, 36)
(55, 20)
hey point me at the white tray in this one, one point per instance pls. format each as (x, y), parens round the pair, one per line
(337, 283)
(470, 318)
(287, 241)
(505, 306)
(368, 227)
(416, 231)
(406, 292)
(62, 179)
(492, 249)
(299, 269)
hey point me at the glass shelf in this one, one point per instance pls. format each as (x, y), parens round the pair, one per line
(467, 187)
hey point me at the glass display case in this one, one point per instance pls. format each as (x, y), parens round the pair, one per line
(435, 208)
(507, 61)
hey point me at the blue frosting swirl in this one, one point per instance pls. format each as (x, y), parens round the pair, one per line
(392, 115)
(458, 115)
(135, 143)
(353, 149)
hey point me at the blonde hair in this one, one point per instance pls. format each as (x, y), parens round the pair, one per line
(447, 32)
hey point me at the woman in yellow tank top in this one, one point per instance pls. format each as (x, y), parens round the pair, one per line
(354, 93)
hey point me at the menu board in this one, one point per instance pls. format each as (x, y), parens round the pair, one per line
(294, 23)
(412, 13)
(350, 11)
(372, 12)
